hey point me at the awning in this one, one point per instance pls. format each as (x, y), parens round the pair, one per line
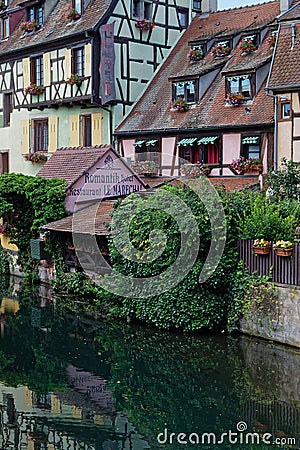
(207, 140)
(139, 143)
(151, 142)
(250, 140)
(189, 141)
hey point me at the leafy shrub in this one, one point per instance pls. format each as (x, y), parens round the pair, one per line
(284, 183)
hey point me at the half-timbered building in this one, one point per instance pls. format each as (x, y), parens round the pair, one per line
(70, 69)
(207, 104)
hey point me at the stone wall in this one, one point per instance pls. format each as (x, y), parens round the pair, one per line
(284, 325)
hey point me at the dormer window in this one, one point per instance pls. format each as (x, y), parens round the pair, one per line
(35, 13)
(78, 5)
(240, 84)
(221, 48)
(185, 90)
(196, 53)
(249, 44)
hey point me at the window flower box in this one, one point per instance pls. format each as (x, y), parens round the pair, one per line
(261, 247)
(235, 99)
(247, 46)
(220, 50)
(34, 89)
(180, 104)
(255, 165)
(74, 79)
(283, 248)
(243, 165)
(194, 170)
(2, 6)
(73, 15)
(195, 55)
(31, 25)
(144, 25)
(36, 157)
(146, 168)
(271, 41)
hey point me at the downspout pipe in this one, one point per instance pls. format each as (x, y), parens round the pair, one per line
(275, 163)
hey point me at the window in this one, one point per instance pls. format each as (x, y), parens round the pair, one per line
(78, 5)
(37, 70)
(197, 5)
(203, 150)
(7, 108)
(251, 146)
(148, 150)
(35, 13)
(3, 162)
(5, 28)
(86, 130)
(182, 17)
(78, 61)
(285, 110)
(142, 9)
(240, 84)
(185, 90)
(40, 128)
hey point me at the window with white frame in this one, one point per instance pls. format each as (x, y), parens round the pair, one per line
(185, 90)
(240, 84)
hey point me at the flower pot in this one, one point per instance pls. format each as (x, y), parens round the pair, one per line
(261, 250)
(283, 252)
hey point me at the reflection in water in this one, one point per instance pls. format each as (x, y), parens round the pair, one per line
(69, 383)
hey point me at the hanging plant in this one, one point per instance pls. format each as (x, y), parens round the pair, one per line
(195, 54)
(180, 104)
(144, 25)
(247, 46)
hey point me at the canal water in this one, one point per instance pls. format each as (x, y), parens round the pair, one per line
(70, 382)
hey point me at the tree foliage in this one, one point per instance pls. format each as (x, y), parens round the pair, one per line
(284, 183)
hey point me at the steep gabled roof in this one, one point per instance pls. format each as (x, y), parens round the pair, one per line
(71, 163)
(152, 111)
(285, 70)
(57, 26)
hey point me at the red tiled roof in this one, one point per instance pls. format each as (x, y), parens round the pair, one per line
(285, 71)
(71, 163)
(152, 111)
(83, 217)
(56, 26)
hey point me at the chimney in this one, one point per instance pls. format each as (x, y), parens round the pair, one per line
(210, 6)
(285, 5)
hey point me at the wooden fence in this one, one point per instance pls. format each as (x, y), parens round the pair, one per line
(283, 270)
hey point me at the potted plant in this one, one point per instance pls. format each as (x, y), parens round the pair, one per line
(240, 165)
(30, 25)
(195, 55)
(36, 157)
(220, 50)
(3, 6)
(144, 25)
(261, 247)
(180, 104)
(235, 99)
(73, 14)
(34, 89)
(283, 248)
(247, 46)
(255, 165)
(74, 79)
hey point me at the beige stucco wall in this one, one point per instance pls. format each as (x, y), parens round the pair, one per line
(284, 140)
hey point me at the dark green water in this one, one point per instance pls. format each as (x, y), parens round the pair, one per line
(70, 383)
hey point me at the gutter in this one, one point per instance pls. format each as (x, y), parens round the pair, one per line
(275, 164)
